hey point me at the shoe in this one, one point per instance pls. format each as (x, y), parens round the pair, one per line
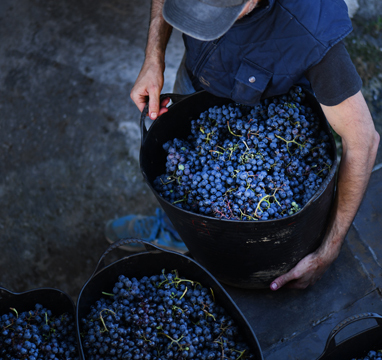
(157, 230)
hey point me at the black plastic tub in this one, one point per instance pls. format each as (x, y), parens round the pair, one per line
(151, 263)
(246, 254)
(356, 346)
(53, 299)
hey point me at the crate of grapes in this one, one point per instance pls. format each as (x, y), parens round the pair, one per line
(159, 304)
(249, 189)
(365, 345)
(37, 324)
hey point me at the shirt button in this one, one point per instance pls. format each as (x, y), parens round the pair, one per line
(252, 79)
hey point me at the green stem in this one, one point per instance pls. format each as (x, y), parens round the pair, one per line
(229, 129)
(17, 314)
(101, 318)
(290, 141)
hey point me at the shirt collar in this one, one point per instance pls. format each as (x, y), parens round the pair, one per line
(264, 7)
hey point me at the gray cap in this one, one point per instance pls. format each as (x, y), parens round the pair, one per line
(202, 19)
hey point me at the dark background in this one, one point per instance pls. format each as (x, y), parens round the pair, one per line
(69, 135)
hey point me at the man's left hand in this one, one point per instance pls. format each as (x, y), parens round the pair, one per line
(308, 270)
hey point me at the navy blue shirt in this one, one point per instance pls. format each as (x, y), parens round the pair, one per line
(281, 44)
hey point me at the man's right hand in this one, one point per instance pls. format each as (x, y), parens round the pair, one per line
(149, 83)
(148, 87)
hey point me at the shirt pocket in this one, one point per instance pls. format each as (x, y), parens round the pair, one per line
(250, 83)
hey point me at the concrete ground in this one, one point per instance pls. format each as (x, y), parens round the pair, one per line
(69, 134)
(69, 147)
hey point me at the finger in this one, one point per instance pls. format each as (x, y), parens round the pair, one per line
(154, 106)
(140, 102)
(297, 284)
(163, 109)
(302, 283)
(282, 280)
(140, 97)
(165, 102)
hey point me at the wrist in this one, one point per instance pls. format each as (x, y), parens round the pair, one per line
(155, 59)
(153, 67)
(329, 249)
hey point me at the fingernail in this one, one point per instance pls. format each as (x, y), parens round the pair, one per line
(153, 115)
(274, 286)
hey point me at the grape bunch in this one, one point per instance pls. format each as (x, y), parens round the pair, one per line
(37, 335)
(371, 355)
(161, 317)
(248, 163)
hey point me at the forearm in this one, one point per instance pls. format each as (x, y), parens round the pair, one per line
(360, 143)
(352, 121)
(159, 34)
(353, 177)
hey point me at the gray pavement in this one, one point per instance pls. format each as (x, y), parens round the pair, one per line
(69, 134)
(69, 146)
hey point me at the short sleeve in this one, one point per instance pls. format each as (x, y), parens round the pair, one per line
(334, 78)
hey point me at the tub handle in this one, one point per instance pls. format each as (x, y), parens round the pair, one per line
(149, 247)
(331, 343)
(173, 97)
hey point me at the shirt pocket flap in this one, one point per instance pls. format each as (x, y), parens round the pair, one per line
(250, 82)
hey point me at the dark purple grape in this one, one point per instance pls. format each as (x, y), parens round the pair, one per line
(267, 156)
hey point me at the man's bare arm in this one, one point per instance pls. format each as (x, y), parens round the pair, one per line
(149, 83)
(352, 121)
